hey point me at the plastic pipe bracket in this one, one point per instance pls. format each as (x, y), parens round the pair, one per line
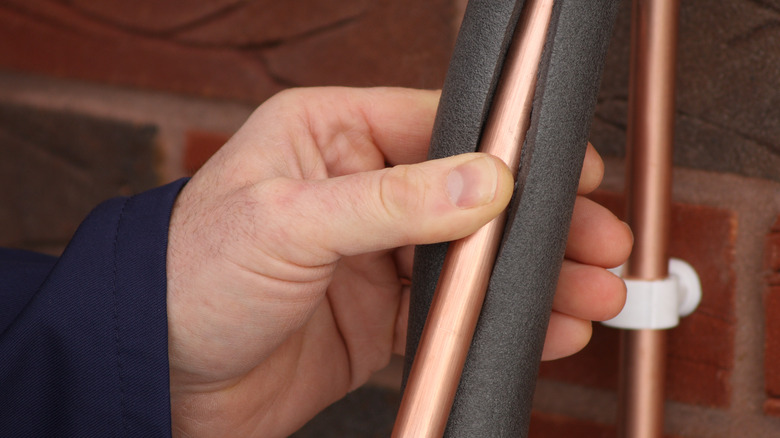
(659, 304)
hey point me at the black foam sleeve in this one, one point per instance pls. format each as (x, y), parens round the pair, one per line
(496, 390)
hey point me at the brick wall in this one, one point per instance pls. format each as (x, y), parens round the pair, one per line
(105, 98)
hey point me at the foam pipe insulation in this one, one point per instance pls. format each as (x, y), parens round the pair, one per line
(496, 389)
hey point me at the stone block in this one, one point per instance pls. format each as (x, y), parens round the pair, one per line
(245, 51)
(56, 166)
(728, 99)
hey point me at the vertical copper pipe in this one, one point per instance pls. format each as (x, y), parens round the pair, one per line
(650, 138)
(457, 301)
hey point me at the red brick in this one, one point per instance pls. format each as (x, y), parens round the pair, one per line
(545, 425)
(104, 54)
(268, 22)
(772, 255)
(697, 383)
(152, 16)
(395, 43)
(246, 51)
(772, 309)
(772, 407)
(257, 22)
(700, 350)
(596, 365)
(772, 343)
(199, 147)
(705, 237)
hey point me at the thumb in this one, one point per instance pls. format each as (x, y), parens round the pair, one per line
(433, 201)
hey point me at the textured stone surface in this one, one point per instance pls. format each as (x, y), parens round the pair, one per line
(728, 94)
(244, 50)
(56, 166)
(701, 350)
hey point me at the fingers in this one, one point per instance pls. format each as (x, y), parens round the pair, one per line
(358, 129)
(433, 201)
(566, 335)
(400, 121)
(596, 236)
(585, 293)
(592, 171)
(589, 292)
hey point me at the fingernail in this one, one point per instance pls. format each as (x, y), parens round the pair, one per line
(472, 183)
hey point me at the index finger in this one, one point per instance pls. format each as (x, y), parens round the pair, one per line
(359, 129)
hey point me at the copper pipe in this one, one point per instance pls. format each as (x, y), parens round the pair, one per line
(649, 194)
(642, 381)
(457, 302)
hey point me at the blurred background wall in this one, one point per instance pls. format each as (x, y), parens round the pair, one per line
(113, 97)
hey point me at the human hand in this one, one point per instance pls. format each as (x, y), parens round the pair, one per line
(290, 252)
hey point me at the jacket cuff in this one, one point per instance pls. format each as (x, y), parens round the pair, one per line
(88, 354)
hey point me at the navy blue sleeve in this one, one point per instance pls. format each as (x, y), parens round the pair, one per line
(84, 338)
(21, 274)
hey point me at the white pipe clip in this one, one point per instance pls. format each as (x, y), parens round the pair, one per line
(659, 304)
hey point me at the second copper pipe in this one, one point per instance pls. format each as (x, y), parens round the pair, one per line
(649, 194)
(457, 302)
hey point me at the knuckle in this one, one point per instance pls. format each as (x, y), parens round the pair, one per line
(401, 192)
